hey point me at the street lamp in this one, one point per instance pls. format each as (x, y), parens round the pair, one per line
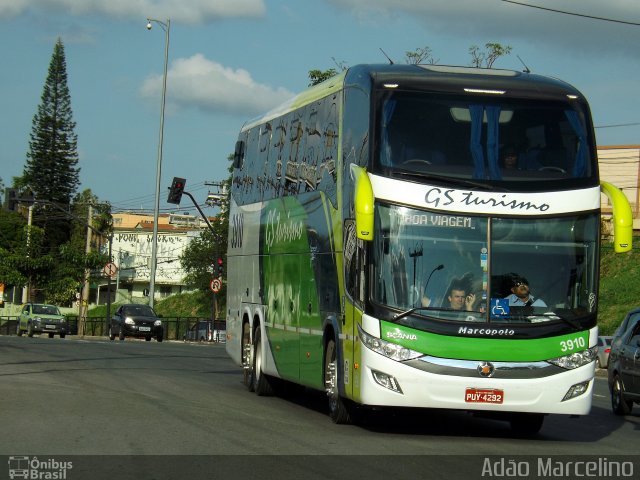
(166, 26)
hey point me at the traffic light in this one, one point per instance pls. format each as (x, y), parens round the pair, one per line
(220, 267)
(176, 190)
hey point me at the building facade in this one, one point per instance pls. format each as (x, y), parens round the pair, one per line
(131, 252)
(620, 165)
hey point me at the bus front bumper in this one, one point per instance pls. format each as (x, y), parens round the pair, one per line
(536, 387)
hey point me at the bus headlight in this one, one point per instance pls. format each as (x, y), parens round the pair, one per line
(390, 350)
(577, 359)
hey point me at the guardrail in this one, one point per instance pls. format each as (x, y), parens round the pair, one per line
(175, 328)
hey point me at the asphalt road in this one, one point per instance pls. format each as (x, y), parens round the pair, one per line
(158, 404)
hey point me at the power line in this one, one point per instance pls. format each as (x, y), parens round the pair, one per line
(132, 203)
(593, 17)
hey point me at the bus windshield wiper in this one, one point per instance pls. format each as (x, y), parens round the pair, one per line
(449, 180)
(554, 316)
(406, 313)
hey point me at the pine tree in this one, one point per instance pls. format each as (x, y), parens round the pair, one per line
(51, 168)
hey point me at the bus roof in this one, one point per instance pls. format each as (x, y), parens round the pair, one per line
(436, 78)
(309, 95)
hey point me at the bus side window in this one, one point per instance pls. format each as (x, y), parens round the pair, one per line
(354, 264)
(350, 258)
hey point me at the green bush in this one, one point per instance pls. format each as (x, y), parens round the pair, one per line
(619, 285)
(194, 304)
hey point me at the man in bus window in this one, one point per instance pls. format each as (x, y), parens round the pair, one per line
(459, 295)
(509, 158)
(521, 296)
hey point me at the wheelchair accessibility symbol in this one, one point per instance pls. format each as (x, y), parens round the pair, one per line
(499, 307)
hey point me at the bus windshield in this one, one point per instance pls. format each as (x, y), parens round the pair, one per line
(529, 144)
(485, 269)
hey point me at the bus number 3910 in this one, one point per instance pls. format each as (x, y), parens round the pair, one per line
(572, 344)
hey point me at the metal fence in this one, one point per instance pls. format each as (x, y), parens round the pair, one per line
(175, 328)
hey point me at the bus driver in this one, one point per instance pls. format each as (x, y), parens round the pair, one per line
(521, 296)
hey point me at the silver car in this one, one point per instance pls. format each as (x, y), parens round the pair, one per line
(604, 347)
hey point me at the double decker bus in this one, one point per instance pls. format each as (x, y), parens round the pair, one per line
(360, 208)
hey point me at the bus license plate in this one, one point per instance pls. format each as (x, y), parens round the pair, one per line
(483, 395)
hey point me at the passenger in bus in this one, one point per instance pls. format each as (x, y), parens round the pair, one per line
(459, 295)
(521, 295)
(509, 160)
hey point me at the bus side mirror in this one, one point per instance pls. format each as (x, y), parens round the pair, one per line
(622, 218)
(238, 154)
(364, 201)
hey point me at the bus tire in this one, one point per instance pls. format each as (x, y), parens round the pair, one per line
(526, 424)
(247, 357)
(261, 381)
(339, 411)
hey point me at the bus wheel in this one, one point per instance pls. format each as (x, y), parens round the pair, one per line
(261, 382)
(526, 424)
(338, 410)
(247, 357)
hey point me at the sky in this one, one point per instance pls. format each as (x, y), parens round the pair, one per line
(231, 60)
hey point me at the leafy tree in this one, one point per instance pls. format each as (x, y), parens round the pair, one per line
(199, 259)
(486, 58)
(11, 230)
(318, 76)
(424, 55)
(421, 56)
(52, 275)
(26, 263)
(101, 217)
(68, 273)
(51, 171)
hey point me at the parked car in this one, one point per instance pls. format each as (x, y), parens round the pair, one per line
(604, 347)
(133, 320)
(41, 318)
(624, 370)
(207, 331)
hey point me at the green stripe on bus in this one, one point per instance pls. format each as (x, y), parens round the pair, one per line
(495, 349)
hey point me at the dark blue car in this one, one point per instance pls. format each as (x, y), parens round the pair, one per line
(624, 367)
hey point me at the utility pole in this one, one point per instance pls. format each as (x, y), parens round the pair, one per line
(84, 298)
(166, 26)
(25, 290)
